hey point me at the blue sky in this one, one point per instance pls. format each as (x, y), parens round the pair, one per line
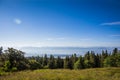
(84, 23)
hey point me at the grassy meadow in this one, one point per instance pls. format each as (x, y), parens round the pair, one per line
(65, 74)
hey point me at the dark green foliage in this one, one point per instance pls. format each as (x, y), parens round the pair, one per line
(72, 61)
(97, 62)
(1, 57)
(113, 61)
(16, 59)
(1, 50)
(75, 58)
(115, 52)
(39, 59)
(103, 56)
(34, 65)
(51, 63)
(14, 69)
(87, 62)
(45, 60)
(59, 62)
(66, 62)
(107, 62)
(79, 64)
(92, 59)
(7, 66)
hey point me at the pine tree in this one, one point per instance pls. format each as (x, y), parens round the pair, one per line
(115, 51)
(66, 62)
(1, 50)
(98, 60)
(59, 62)
(74, 58)
(45, 60)
(87, 60)
(79, 64)
(51, 63)
(71, 62)
(103, 56)
(1, 57)
(92, 59)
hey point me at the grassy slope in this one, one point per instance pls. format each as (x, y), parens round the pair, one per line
(63, 74)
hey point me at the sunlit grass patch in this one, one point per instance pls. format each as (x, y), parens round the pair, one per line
(65, 74)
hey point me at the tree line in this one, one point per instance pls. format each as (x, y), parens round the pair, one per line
(14, 60)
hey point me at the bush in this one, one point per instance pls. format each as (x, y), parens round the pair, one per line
(14, 69)
(45, 67)
(7, 66)
(34, 65)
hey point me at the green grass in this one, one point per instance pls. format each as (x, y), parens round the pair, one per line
(64, 74)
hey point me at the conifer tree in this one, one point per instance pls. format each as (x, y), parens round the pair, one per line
(79, 64)
(45, 60)
(51, 63)
(92, 59)
(87, 60)
(59, 62)
(66, 62)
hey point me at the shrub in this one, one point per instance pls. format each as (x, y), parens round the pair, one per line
(14, 69)
(7, 66)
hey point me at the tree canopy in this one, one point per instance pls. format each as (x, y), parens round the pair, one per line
(14, 60)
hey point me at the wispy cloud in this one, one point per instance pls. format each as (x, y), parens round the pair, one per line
(111, 23)
(49, 39)
(17, 21)
(118, 35)
(60, 38)
(85, 39)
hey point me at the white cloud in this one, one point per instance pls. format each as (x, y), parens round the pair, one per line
(17, 21)
(111, 23)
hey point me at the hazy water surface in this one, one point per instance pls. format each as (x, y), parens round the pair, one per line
(62, 51)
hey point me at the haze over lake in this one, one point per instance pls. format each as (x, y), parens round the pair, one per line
(62, 51)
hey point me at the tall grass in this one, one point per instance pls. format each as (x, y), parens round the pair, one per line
(64, 74)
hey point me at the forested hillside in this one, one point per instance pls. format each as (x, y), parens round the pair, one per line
(14, 60)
